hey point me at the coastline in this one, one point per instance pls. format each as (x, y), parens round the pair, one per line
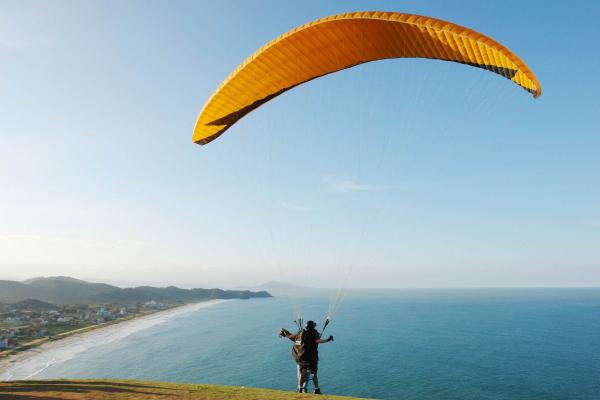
(34, 344)
(28, 363)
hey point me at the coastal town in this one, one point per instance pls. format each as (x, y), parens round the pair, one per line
(30, 322)
(36, 313)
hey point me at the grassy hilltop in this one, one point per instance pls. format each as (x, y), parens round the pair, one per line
(140, 390)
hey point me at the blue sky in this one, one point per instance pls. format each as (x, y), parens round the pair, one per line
(408, 173)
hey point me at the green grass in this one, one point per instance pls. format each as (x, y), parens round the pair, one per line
(96, 389)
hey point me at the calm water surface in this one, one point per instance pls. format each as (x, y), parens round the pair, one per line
(396, 344)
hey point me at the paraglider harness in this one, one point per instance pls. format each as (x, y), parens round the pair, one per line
(305, 349)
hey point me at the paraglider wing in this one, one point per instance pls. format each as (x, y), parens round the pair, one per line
(342, 41)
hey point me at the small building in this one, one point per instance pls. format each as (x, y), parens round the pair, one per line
(7, 343)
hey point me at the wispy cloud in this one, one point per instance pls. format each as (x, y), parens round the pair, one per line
(348, 185)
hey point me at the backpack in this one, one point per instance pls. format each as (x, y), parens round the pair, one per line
(305, 346)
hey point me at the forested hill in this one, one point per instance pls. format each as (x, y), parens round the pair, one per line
(65, 290)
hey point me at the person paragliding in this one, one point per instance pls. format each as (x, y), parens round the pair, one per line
(306, 353)
(329, 45)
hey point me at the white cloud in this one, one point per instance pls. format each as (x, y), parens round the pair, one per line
(347, 185)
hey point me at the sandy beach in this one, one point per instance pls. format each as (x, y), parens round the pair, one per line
(29, 363)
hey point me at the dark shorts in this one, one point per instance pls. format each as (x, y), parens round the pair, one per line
(311, 367)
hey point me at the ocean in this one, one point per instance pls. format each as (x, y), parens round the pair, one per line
(389, 344)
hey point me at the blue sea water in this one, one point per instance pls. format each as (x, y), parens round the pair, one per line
(389, 344)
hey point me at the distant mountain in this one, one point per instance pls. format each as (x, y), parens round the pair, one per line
(11, 291)
(65, 290)
(172, 293)
(53, 279)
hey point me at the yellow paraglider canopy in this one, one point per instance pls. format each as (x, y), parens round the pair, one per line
(342, 41)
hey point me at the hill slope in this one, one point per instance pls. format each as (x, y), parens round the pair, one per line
(34, 305)
(140, 390)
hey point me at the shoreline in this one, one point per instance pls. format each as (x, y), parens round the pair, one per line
(34, 344)
(26, 364)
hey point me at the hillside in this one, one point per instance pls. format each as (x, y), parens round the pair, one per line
(65, 290)
(140, 390)
(34, 305)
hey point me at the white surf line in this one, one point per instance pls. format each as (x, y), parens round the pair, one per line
(32, 362)
(49, 363)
